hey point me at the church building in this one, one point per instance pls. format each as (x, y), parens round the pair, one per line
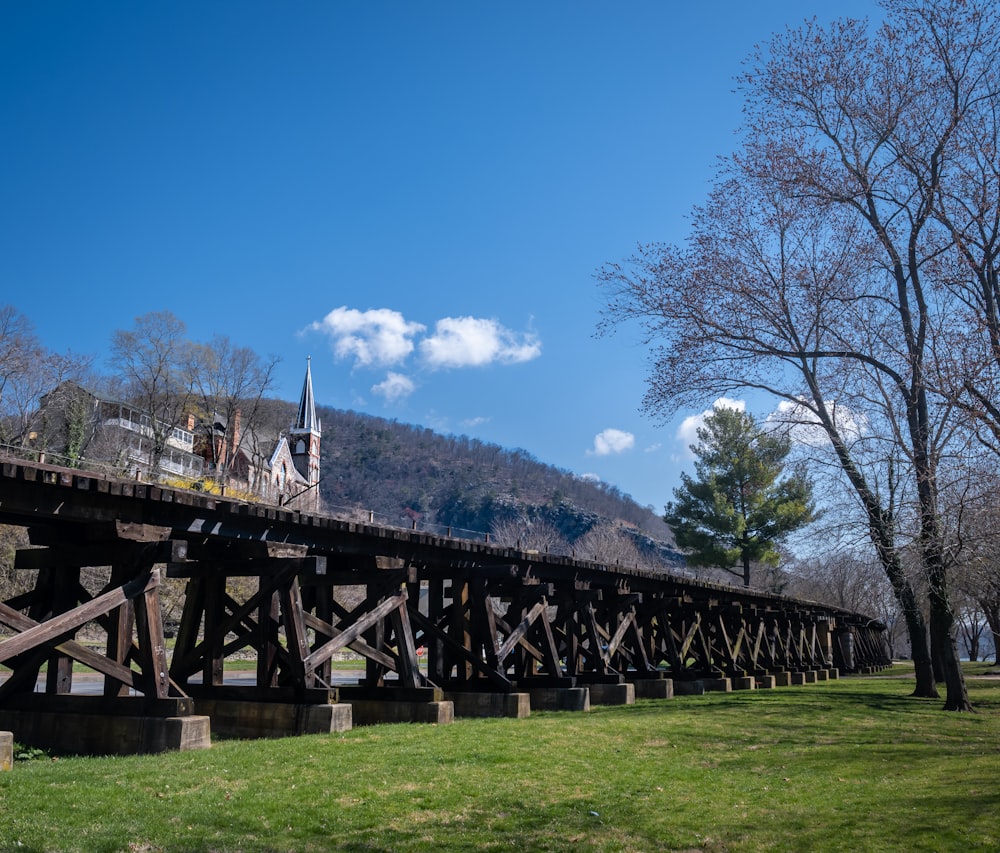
(294, 465)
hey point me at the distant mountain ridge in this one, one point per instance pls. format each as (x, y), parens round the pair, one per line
(408, 473)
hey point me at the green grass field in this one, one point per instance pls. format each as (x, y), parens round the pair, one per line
(851, 765)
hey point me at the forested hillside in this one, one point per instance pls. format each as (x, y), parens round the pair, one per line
(405, 473)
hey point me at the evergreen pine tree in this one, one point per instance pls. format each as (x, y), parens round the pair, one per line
(738, 508)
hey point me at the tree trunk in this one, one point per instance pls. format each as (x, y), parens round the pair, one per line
(945, 643)
(992, 610)
(916, 629)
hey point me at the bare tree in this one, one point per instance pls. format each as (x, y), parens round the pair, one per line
(858, 131)
(150, 358)
(528, 534)
(610, 543)
(229, 383)
(772, 294)
(27, 372)
(13, 581)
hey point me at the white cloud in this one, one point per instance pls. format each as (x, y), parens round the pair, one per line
(377, 337)
(612, 441)
(472, 423)
(589, 477)
(688, 430)
(395, 387)
(804, 428)
(473, 342)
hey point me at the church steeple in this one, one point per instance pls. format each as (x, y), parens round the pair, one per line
(307, 420)
(304, 436)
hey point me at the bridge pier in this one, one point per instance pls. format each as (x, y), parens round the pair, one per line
(485, 704)
(561, 694)
(373, 705)
(6, 751)
(659, 687)
(95, 731)
(251, 720)
(612, 694)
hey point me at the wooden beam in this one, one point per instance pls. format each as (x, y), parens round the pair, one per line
(255, 567)
(517, 635)
(97, 554)
(326, 629)
(349, 635)
(19, 622)
(78, 616)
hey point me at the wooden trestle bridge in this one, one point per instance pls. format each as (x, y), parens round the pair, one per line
(501, 629)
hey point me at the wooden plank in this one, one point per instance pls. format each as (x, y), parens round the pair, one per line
(619, 635)
(295, 632)
(517, 635)
(71, 648)
(497, 678)
(408, 667)
(247, 567)
(324, 628)
(354, 632)
(96, 554)
(152, 649)
(59, 625)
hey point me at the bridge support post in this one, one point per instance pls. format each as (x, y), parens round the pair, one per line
(6, 751)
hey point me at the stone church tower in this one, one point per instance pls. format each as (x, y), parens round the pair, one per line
(304, 436)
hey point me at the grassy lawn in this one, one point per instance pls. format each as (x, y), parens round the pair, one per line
(851, 765)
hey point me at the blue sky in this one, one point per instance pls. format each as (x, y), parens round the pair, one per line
(417, 195)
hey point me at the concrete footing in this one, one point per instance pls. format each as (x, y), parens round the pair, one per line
(654, 688)
(744, 682)
(476, 704)
(273, 719)
(93, 734)
(765, 682)
(833, 674)
(6, 751)
(782, 679)
(390, 704)
(798, 678)
(689, 688)
(370, 712)
(559, 698)
(718, 685)
(612, 694)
